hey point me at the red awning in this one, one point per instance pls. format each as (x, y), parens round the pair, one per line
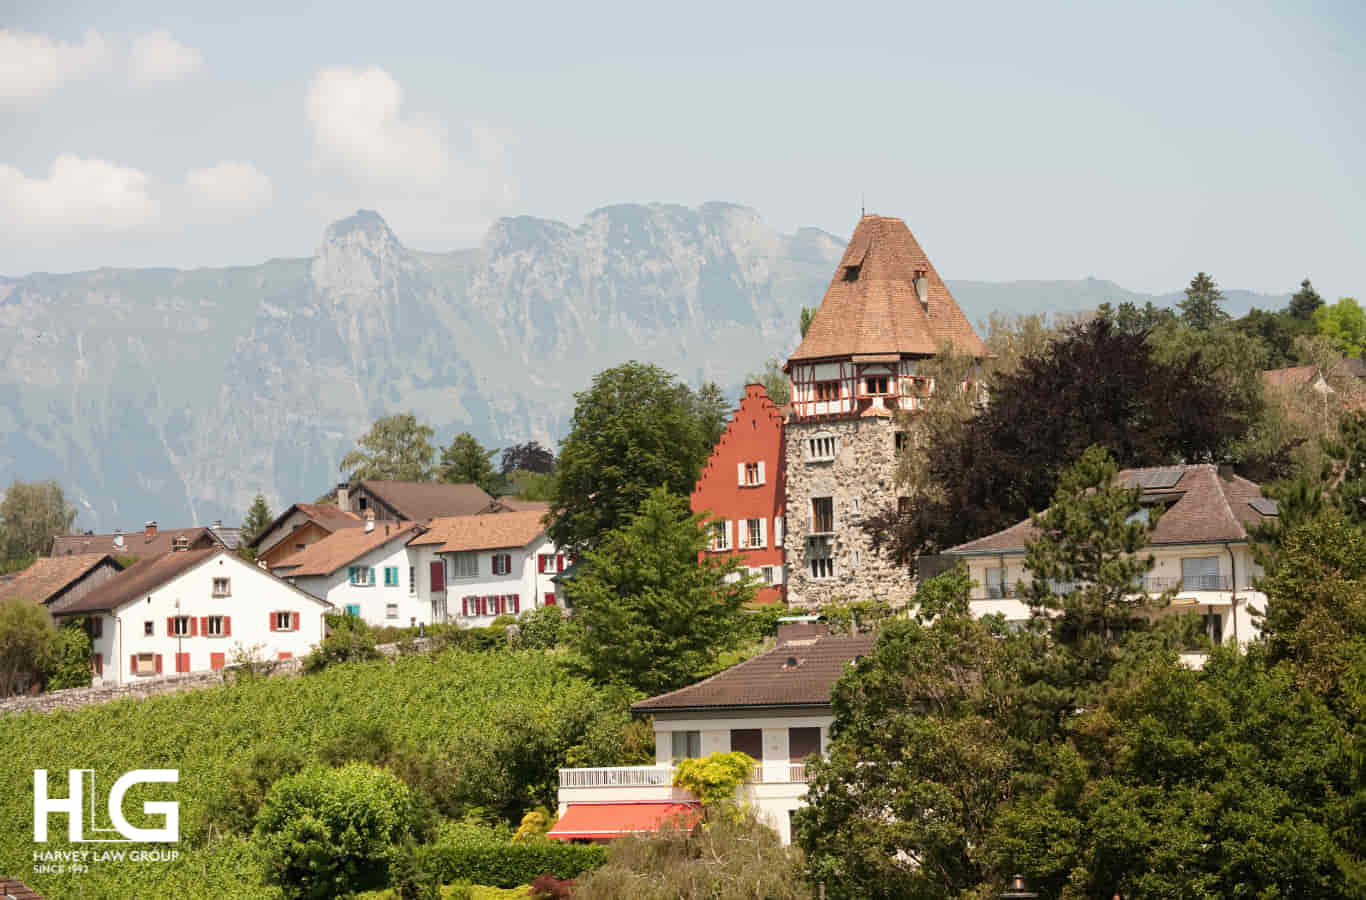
(600, 821)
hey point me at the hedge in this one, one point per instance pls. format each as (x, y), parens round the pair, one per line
(485, 856)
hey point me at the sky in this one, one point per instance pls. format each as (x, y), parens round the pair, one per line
(1135, 142)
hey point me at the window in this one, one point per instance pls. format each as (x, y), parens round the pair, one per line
(391, 576)
(755, 532)
(362, 576)
(826, 391)
(352, 609)
(903, 506)
(216, 626)
(803, 742)
(752, 473)
(875, 385)
(822, 566)
(821, 448)
(749, 741)
(855, 506)
(1214, 628)
(412, 579)
(998, 583)
(766, 573)
(179, 626)
(391, 610)
(851, 273)
(148, 629)
(822, 515)
(1200, 573)
(145, 664)
(363, 503)
(465, 565)
(289, 621)
(222, 587)
(502, 564)
(687, 745)
(298, 547)
(902, 440)
(720, 535)
(94, 626)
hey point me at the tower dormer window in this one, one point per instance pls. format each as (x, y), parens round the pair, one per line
(875, 385)
(851, 273)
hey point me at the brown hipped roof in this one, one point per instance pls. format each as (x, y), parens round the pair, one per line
(49, 575)
(1205, 507)
(495, 531)
(878, 313)
(141, 578)
(134, 543)
(768, 680)
(342, 547)
(422, 501)
(326, 516)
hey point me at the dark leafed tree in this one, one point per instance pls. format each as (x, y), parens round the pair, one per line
(465, 461)
(1093, 385)
(634, 430)
(396, 448)
(528, 457)
(775, 381)
(33, 513)
(1202, 308)
(1130, 318)
(712, 410)
(1305, 301)
(807, 315)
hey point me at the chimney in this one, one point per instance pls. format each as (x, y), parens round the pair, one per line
(344, 497)
(922, 289)
(369, 521)
(217, 525)
(149, 530)
(1226, 471)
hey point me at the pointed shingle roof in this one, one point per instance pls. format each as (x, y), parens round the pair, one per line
(872, 309)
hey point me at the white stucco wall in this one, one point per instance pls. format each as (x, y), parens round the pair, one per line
(255, 595)
(373, 600)
(525, 580)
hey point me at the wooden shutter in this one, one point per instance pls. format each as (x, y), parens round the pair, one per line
(464, 606)
(559, 562)
(227, 626)
(516, 603)
(297, 617)
(157, 659)
(730, 533)
(549, 599)
(352, 572)
(285, 654)
(763, 533)
(438, 577)
(133, 664)
(97, 661)
(204, 625)
(540, 563)
(372, 577)
(194, 627)
(761, 472)
(216, 660)
(777, 531)
(182, 662)
(740, 474)
(272, 620)
(170, 626)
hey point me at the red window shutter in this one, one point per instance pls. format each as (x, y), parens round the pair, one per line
(438, 577)
(133, 663)
(194, 627)
(484, 605)
(550, 599)
(204, 625)
(158, 663)
(216, 660)
(285, 654)
(227, 626)
(559, 562)
(182, 662)
(516, 603)
(272, 620)
(170, 626)
(540, 562)
(464, 606)
(493, 561)
(297, 617)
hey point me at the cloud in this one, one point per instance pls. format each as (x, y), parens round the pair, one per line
(76, 192)
(34, 65)
(358, 127)
(158, 56)
(229, 190)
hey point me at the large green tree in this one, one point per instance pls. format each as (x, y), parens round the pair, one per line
(1344, 323)
(775, 381)
(32, 514)
(257, 519)
(634, 430)
(465, 461)
(396, 448)
(1202, 309)
(712, 409)
(528, 457)
(649, 614)
(1305, 302)
(26, 643)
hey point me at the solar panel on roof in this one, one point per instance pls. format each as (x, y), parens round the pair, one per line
(1160, 479)
(1264, 506)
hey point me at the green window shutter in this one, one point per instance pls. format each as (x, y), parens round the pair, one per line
(353, 574)
(372, 575)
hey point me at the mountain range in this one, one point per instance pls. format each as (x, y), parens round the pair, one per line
(177, 395)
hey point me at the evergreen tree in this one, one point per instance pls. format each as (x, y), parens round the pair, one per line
(1305, 301)
(258, 518)
(807, 315)
(465, 461)
(1201, 309)
(713, 411)
(396, 448)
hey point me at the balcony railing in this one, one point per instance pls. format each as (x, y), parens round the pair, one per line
(1148, 585)
(663, 776)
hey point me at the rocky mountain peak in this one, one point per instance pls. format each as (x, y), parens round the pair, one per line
(359, 254)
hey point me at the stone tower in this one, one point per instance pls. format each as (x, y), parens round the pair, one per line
(885, 311)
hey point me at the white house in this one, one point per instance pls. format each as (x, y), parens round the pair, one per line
(483, 566)
(367, 572)
(194, 610)
(1200, 545)
(774, 707)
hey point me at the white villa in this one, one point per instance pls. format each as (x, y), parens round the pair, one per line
(1200, 544)
(774, 707)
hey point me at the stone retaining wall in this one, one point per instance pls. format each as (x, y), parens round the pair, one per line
(74, 698)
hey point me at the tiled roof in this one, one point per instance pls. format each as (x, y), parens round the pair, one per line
(134, 543)
(326, 516)
(879, 312)
(342, 547)
(422, 501)
(14, 889)
(1295, 375)
(1205, 507)
(49, 575)
(512, 504)
(141, 578)
(492, 532)
(768, 680)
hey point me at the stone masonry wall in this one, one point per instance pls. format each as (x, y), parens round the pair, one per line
(862, 481)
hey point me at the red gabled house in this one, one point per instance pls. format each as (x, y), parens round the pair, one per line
(742, 488)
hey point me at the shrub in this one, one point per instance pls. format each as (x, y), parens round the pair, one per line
(325, 832)
(68, 663)
(408, 878)
(543, 629)
(713, 779)
(548, 887)
(349, 640)
(489, 856)
(234, 809)
(534, 823)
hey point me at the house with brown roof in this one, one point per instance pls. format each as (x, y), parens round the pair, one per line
(56, 581)
(366, 572)
(151, 541)
(1201, 544)
(193, 610)
(299, 527)
(412, 501)
(776, 707)
(884, 314)
(481, 567)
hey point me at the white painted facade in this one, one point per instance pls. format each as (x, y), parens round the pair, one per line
(471, 582)
(382, 587)
(1226, 594)
(144, 627)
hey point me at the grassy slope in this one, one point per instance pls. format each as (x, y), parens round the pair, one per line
(428, 701)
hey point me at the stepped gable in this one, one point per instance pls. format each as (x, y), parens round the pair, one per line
(872, 309)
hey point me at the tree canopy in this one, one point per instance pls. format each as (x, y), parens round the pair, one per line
(647, 612)
(257, 519)
(1202, 309)
(528, 457)
(1344, 324)
(465, 461)
(32, 513)
(775, 381)
(396, 448)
